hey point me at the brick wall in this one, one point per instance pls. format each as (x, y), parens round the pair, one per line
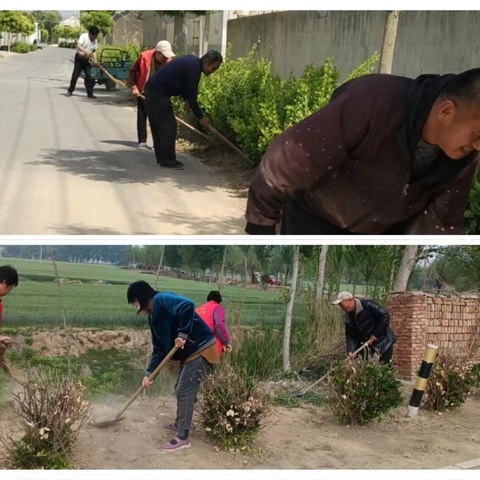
(419, 318)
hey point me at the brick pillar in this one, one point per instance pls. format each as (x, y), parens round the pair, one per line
(409, 320)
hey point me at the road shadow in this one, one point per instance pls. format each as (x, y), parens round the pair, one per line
(77, 229)
(123, 143)
(122, 166)
(200, 226)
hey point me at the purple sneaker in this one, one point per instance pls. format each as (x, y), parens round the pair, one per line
(170, 427)
(175, 444)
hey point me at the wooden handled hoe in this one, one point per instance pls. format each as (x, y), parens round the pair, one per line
(298, 393)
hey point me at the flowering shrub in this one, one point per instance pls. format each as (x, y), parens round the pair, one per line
(232, 408)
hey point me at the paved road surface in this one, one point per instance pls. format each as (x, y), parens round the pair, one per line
(68, 166)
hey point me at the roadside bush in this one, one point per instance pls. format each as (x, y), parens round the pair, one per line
(50, 411)
(22, 47)
(129, 52)
(232, 408)
(453, 379)
(66, 44)
(362, 391)
(251, 105)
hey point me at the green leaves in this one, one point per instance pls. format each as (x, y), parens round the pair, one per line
(363, 391)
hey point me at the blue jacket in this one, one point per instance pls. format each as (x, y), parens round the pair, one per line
(180, 78)
(174, 316)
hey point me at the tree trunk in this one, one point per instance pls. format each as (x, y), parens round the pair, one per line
(321, 276)
(389, 39)
(354, 289)
(288, 318)
(406, 267)
(246, 268)
(159, 266)
(180, 35)
(206, 33)
(220, 278)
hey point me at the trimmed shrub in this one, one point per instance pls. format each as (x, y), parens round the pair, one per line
(453, 379)
(22, 47)
(362, 391)
(51, 410)
(232, 408)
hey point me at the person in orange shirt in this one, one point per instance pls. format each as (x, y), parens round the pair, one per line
(144, 67)
(213, 314)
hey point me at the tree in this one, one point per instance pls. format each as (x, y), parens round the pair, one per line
(288, 317)
(389, 40)
(246, 250)
(264, 254)
(409, 260)
(15, 21)
(322, 263)
(48, 20)
(103, 19)
(180, 26)
(220, 278)
(286, 256)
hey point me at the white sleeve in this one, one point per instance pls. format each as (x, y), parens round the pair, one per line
(81, 40)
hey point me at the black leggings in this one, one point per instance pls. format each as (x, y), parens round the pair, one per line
(81, 63)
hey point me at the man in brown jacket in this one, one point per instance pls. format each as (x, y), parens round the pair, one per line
(387, 155)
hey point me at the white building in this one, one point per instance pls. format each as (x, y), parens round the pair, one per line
(72, 21)
(6, 38)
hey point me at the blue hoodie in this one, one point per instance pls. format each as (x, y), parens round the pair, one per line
(174, 316)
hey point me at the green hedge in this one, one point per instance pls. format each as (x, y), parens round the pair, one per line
(251, 105)
(22, 47)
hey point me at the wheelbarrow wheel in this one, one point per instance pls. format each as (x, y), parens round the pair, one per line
(111, 85)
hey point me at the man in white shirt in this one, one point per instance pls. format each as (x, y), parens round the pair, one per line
(86, 50)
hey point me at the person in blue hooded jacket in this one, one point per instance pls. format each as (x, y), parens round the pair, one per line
(174, 322)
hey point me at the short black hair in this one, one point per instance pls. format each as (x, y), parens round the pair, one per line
(8, 275)
(215, 296)
(142, 292)
(464, 86)
(94, 30)
(212, 57)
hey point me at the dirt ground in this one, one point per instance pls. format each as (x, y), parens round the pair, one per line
(297, 438)
(300, 438)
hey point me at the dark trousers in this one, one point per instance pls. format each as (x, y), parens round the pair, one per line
(189, 378)
(141, 120)
(296, 220)
(81, 63)
(162, 124)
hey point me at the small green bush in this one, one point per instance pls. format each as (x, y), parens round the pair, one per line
(453, 379)
(251, 105)
(22, 47)
(232, 408)
(362, 391)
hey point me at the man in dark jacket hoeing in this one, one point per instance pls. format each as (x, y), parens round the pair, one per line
(178, 78)
(366, 320)
(174, 322)
(387, 155)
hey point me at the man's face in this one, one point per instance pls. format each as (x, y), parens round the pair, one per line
(459, 129)
(348, 305)
(93, 37)
(209, 68)
(5, 289)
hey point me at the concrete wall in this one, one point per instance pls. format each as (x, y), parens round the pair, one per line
(157, 28)
(418, 319)
(127, 29)
(427, 42)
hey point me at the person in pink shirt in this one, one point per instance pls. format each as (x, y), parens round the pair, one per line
(213, 314)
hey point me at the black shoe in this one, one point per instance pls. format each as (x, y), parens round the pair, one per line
(93, 97)
(173, 165)
(69, 94)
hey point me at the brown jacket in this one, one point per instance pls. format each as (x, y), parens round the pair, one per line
(349, 164)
